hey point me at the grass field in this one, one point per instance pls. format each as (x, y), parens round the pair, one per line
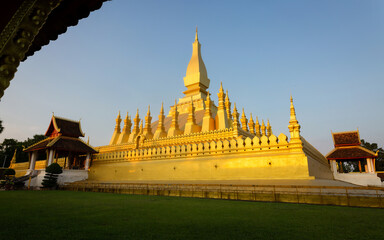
(86, 215)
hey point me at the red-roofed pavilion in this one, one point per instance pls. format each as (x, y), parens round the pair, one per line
(63, 142)
(348, 149)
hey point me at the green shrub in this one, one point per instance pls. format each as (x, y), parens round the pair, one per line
(51, 175)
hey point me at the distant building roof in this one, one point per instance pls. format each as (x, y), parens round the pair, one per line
(353, 152)
(64, 127)
(347, 146)
(351, 138)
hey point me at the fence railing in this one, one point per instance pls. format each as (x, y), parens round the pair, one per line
(327, 195)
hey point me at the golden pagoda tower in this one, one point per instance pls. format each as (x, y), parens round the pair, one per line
(197, 136)
(196, 78)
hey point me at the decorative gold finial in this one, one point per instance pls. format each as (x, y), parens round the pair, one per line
(162, 108)
(293, 112)
(294, 126)
(196, 37)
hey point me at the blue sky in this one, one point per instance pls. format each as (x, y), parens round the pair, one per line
(328, 54)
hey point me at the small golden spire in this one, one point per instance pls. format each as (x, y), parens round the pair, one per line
(235, 114)
(244, 121)
(191, 116)
(228, 105)
(88, 140)
(294, 126)
(263, 128)
(221, 90)
(160, 131)
(118, 121)
(141, 126)
(149, 111)
(257, 127)
(269, 129)
(293, 113)
(251, 124)
(208, 105)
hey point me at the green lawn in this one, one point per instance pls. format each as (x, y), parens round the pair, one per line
(85, 215)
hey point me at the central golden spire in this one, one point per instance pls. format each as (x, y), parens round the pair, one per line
(196, 78)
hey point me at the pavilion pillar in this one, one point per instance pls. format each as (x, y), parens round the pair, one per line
(333, 166)
(51, 156)
(33, 160)
(87, 161)
(371, 168)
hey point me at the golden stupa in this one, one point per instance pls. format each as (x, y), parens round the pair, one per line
(199, 140)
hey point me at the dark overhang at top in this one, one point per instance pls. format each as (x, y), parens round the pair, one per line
(27, 25)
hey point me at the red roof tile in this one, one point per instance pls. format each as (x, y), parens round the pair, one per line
(350, 153)
(346, 138)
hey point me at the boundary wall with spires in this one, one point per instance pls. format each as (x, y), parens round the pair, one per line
(226, 159)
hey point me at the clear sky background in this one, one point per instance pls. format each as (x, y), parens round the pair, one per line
(328, 54)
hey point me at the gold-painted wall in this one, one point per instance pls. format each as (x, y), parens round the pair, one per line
(219, 167)
(264, 158)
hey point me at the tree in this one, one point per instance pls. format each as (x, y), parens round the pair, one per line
(51, 175)
(9, 145)
(374, 148)
(1, 126)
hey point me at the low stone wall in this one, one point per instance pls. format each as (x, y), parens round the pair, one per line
(341, 196)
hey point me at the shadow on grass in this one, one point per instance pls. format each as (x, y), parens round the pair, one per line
(86, 215)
